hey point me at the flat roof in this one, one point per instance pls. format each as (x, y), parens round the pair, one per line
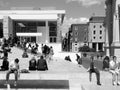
(31, 12)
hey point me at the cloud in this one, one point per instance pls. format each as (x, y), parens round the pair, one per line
(87, 2)
(68, 21)
(3, 4)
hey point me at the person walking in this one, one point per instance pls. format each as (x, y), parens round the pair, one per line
(51, 53)
(13, 68)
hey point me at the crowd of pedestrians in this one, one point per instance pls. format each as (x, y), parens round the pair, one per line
(110, 64)
(34, 64)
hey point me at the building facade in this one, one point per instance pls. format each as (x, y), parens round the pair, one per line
(96, 33)
(79, 36)
(41, 26)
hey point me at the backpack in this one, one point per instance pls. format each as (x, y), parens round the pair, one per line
(24, 71)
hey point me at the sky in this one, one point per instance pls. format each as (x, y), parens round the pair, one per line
(76, 10)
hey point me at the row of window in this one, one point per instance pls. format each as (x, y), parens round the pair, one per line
(94, 32)
(76, 39)
(33, 39)
(99, 37)
(95, 26)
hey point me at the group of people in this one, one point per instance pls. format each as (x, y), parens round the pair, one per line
(112, 65)
(39, 64)
(13, 66)
(29, 46)
(34, 64)
(5, 48)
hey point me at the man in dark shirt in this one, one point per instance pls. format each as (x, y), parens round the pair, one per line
(5, 64)
(93, 69)
(32, 64)
(42, 64)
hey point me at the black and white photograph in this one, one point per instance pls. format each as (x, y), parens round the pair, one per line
(59, 44)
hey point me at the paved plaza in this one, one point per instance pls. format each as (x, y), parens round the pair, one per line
(59, 69)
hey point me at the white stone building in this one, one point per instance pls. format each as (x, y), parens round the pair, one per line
(96, 30)
(41, 26)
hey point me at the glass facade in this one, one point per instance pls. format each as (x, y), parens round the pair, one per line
(52, 31)
(27, 26)
(32, 27)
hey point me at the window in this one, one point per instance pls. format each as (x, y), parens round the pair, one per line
(94, 32)
(50, 39)
(94, 26)
(76, 44)
(75, 27)
(76, 33)
(100, 26)
(100, 31)
(75, 39)
(53, 39)
(100, 37)
(84, 38)
(93, 37)
(75, 48)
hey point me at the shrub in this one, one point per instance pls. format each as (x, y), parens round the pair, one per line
(92, 50)
(84, 49)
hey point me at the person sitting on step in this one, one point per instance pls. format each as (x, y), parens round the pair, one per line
(13, 68)
(42, 64)
(115, 70)
(32, 64)
(93, 69)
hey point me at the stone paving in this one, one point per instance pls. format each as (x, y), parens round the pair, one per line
(60, 69)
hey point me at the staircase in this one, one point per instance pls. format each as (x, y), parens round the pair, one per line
(59, 69)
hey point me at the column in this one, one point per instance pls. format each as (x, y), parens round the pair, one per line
(59, 28)
(5, 26)
(47, 32)
(109, 27)
(97, 45)
(116, 30)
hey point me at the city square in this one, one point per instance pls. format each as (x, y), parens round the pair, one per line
(45, 48)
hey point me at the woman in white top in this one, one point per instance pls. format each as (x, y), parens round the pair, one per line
(114, 69)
